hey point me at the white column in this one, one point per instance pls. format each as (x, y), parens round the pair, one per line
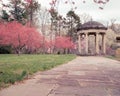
(86, 40)
(97, 43)
(104, 43)
(79, 43)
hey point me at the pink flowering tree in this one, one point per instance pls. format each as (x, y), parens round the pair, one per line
(20, 37)
(64, 43)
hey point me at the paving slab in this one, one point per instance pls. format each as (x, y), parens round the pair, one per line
(83, 76)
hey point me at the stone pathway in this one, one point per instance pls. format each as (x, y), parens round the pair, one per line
(84, 76)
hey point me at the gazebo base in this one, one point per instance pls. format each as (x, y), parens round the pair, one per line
(91, 54)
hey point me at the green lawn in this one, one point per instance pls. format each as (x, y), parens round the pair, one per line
(15, 68)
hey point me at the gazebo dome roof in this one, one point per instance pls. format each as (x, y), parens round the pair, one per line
(91, 25)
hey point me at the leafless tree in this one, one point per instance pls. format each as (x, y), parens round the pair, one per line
(85, 18)
(112, 21)
(43, 22)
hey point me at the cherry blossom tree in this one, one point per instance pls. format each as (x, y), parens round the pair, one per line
(20, 37)
(64, 43)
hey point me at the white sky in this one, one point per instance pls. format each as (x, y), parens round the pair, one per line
(110, 11)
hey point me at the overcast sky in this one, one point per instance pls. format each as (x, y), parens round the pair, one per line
(111, 10)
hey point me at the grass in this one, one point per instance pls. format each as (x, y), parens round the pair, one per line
(114, 57)
(15, 68)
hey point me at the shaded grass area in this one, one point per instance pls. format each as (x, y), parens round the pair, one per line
(114, 57)
(15, 68)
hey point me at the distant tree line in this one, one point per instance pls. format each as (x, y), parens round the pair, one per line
(21, 21)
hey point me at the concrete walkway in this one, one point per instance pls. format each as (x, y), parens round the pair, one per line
(84, 76)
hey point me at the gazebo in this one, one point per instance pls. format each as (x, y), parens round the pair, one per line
(92, 28)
